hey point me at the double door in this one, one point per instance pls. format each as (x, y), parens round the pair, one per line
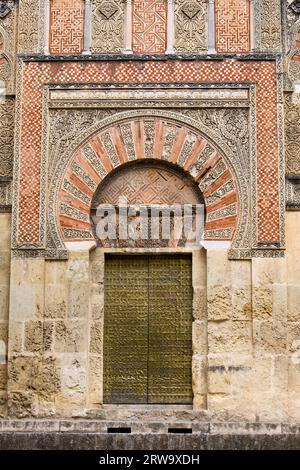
(148, 329)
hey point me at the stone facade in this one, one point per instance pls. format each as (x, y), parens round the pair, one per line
(159, 83)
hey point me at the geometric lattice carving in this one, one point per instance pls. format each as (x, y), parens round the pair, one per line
(232, 25)
(108, 26)
(191, 24)
(152, 139)
(66, 26)
(149, 26)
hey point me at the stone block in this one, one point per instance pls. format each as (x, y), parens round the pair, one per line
(78, 300)
(33, 341)
(78, 267)
(199, 365)
(70, 336)
(240, 274)
(5, 231)
(199, 334)
(5, 260)
(56, 296)
(199, 268)
(22, 372)
(199, 303)
(271, 407)
(4, 302)
(280, 302)
(16, 337)
(96, 338)
(229, 336)
(73, 378)
(293, 337)
(218, 268)
(97, 267)
(219, 303)
(3, 376)
(268, 271)
(218, 379)
(241, 303)
(95, 380)
(48, 336)
(293, 302)
(280, 374)
(55, 272)
(262, 302)
(22, 405)
(269, 336)
(294, 377)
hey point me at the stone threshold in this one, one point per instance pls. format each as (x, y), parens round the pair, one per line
(165, 427)
(146, 442)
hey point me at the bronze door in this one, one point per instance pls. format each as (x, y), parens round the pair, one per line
(148, 329)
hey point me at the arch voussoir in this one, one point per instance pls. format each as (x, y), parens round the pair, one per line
(148, 138)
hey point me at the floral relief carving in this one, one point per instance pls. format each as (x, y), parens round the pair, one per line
(271, 25)
(107, 25)
(191, 25)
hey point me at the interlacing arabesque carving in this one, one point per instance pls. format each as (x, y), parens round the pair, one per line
(6, 136)
(108, 25)
(191, 25)
(28, 27)
(292, 135)
(8, 32)
(270, 24)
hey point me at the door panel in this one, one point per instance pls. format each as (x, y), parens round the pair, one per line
(170, 326)
(148, 329)
(126, 330)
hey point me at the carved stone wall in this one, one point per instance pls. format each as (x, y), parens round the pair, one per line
(108, 22)
(28, 26)
(292, 135)
(191, 25)
(232, 25)
(66, 26)
(270, 34)
(8, 37)
(6, 136)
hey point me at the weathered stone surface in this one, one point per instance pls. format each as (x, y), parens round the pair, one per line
(33, 336)
(70, 336)
(73, 379)
(262, 302)
(269, 336)
(219, 304)
(78, 300)
(96, 341)
(95, 380)
(199, 303)
(229, 336)
(56, 296)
